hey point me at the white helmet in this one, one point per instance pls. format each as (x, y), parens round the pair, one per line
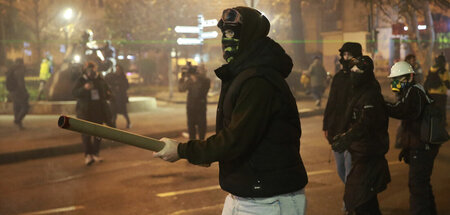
(401, 68)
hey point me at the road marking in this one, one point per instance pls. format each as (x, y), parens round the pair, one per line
(68, 178)
(197, 209)
(188, 191)
(56, 210)
(216, 187)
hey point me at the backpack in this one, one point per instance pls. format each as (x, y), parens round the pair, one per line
(11, 83)
(432, 124)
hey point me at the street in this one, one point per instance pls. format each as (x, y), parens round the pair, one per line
(131, 181)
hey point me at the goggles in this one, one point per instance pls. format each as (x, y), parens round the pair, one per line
(231, 17)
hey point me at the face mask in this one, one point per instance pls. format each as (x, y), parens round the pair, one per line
(230, 45)
(398, 84)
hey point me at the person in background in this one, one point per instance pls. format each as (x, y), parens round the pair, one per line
(365, 136)
(418, 73)
(257, 140)
(15, 84)
(119, 85)
(45, 73)
(411, 101)
(437, 83)
(92, 93)
(197, 86)
(318, 77)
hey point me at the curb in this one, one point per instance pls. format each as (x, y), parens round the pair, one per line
(14, 157)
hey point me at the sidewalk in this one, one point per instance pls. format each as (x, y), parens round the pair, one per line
(43, 138)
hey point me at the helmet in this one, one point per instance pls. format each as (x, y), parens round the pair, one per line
(401, 68)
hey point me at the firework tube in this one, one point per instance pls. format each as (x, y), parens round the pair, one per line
(98, 130)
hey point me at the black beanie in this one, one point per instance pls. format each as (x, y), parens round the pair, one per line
(354, 49)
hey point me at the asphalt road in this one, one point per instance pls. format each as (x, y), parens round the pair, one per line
(131, 181)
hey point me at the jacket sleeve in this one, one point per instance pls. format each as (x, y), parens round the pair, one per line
(330, 105)
(183, 85)
(408, 107)
(79, 92)
(249, 120)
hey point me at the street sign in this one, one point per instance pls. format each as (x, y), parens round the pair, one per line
(209, 35)
(189, 41)
(209, 23)
(187, 29)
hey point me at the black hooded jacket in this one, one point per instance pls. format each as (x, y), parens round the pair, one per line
(257, 140)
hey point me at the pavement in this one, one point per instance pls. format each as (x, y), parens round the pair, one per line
(43, 138)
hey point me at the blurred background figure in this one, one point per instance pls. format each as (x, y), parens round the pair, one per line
(119, 85)
(418, 73)
(437, 83)
(15, 84)
(318, 77)
(92, 93)
(45, 72)
(197, 85)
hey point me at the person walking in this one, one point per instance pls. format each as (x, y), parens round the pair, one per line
(119, 85)
(45, 73)
(92, 93)
(411, 100)
(318, 77)
(366, 137)
(15, 84)
(257, 140)
(437, 83)
(197, 86)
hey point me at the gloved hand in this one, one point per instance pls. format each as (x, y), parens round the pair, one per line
(404, 155)
(340, 143)
(169, 152)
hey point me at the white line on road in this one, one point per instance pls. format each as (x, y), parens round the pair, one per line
(216, 187)
(56, 210)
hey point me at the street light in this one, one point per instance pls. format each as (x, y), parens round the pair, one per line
(68, 14)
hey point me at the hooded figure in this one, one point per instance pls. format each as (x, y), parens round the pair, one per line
(338, 100)
(257, 125)
(366, 138)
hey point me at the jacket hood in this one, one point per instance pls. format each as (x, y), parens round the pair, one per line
(255, 26)
(354, 48)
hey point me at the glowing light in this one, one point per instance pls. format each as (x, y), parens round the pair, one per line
(405, 28)
(120, 57)
(68, 14)
(422, 27)
(187, 29)
(189, 41)
(77, 58)
(130, 57)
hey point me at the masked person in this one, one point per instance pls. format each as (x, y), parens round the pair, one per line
(338, 100)
(437, 83)
(257, 140)
(366, 138)
(92, 93)
(419, 155)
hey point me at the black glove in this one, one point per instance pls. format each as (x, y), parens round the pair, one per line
(341, 142)
(404, 155)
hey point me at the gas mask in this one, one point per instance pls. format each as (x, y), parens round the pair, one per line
(397, 84)
(230, 24)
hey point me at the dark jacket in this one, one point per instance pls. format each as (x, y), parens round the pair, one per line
(197, 92)
(367, 129)
(118, 83)
(20, 92)
(88, 107)
(338, 100)
(257, 125)
(408, 108)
